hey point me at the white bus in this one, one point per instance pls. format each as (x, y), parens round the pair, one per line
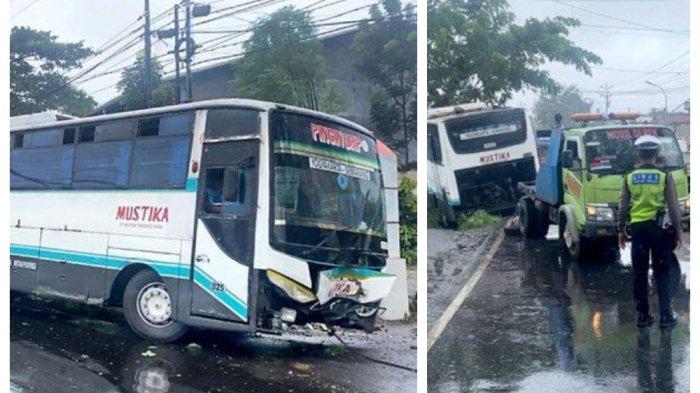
(476, 157)
(236, 215)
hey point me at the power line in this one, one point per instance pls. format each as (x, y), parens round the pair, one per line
(24, 9)
(619, 19)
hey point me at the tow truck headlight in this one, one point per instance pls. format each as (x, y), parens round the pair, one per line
(684, 203)
(599, 213)
(292, 288)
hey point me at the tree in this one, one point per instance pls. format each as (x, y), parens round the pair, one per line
(132, 86)
(38, 63)
(283, 63)
(476, 52)
(567, 101)
(385, 49)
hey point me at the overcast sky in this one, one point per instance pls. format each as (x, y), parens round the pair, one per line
(95, 22)
(631, 48)
(638, 44)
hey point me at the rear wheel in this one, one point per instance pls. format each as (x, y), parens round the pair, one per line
(148, 308)
(532, 222)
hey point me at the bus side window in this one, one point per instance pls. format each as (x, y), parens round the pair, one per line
(434, 152)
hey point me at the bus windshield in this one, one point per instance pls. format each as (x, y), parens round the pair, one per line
(326, 184)
(487, 130)
(612, 151)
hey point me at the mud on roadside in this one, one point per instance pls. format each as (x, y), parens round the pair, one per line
(452, 258)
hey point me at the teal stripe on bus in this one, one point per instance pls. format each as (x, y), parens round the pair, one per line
(165, 269)
(225, 297)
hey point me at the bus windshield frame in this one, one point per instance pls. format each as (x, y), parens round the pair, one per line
(334, 198)
(487, 130)
(622, 156)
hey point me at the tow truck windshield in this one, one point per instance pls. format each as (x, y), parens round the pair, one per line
(612, 151)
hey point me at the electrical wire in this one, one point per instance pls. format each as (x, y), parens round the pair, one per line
(603, 15)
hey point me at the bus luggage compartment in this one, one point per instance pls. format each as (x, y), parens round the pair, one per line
(494, 187)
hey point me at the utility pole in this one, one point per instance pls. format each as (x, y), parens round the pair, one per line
(189, 49)
(147, 49)
(178, 90)
(607, 94)
(662, 91)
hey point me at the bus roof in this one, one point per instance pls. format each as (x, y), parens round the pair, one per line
(198, 105)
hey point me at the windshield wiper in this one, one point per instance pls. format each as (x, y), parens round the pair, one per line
(325, 239)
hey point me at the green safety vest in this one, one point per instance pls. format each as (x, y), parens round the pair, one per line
(646, 187)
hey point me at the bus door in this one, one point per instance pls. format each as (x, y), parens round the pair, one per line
(222, 261)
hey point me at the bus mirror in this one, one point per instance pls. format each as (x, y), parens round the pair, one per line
(567, 160)
(231, 181)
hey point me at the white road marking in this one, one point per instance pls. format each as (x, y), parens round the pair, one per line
(457, 302)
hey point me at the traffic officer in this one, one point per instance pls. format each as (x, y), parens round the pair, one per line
(647, 194)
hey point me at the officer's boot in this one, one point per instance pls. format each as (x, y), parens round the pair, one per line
(645, 320)
(668, 320)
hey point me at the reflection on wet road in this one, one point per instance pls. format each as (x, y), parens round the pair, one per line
(537, 322)
(68, 348)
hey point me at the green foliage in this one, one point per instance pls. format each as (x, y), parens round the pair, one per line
(566, 101)
(38, 63)
(385, 51)
(477, 219)
(476, 52)
(283, 63)
(132, 86)
(433, 217)
(408, 206)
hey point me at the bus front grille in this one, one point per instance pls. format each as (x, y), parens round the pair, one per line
(493, 187)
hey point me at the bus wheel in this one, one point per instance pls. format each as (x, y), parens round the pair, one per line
(148, 308)
(569, 238)
(530, 220)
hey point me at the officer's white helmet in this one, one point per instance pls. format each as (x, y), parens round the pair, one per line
(647, 142)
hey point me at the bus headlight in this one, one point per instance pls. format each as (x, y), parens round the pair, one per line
(599, 213)
(292, 288)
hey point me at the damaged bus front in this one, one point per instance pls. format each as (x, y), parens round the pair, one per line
(327, 210)
(476, 157)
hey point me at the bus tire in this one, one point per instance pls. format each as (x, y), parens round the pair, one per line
(530, 219)
(148, 309)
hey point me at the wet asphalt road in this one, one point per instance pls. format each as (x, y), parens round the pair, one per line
(538, 322)
(61, 347)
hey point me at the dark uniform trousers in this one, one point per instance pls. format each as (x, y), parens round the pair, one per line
(649, 238)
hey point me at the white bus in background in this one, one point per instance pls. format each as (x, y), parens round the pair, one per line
(237, 215)
(476, 157)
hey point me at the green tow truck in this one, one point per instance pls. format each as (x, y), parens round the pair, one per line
(579, 181)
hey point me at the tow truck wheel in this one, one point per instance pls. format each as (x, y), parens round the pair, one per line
(569, 239)
(530, 219)
(148, 308)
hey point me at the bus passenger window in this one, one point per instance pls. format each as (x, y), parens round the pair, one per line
(87, 134)
(18, 141)
(434, 152)
(149, 127)
(69, 136)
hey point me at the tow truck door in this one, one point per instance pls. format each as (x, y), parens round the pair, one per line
(222, 261)
(573, 176)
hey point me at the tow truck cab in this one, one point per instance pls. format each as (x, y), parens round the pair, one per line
(579, 183)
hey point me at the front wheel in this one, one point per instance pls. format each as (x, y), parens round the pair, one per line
(570, 238)
(148, 308)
